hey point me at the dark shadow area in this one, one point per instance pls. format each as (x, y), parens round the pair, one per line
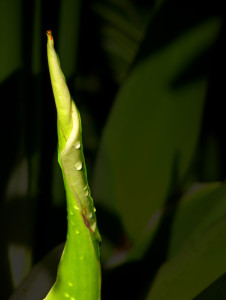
(133, 280)
(217, 290)
(94, 86)
(214, 110)
(10, 124)
(109, 224)
(173, 20)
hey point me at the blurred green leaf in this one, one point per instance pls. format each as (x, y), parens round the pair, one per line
(194, 268)
(153, 128)
(36, 63)
(216, 290)
(67, 39)
(122, 27)
(196, 212)
(41, 278)
(143, 242)
(16, 235)
(10, 37)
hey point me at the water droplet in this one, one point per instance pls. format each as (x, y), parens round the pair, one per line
(86, 193)
(66, 295)
(81, 258)
(90, 215)
(72, 298)
(76, 207)
(70, 283)
(78, 166)
(94, 209)
(77, 145)
(77, 232)
(93, 227)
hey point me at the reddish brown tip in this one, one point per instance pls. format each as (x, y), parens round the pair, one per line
(49, 34)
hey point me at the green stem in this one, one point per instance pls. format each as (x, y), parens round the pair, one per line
(79, 271)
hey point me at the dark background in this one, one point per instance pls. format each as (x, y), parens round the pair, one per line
(99, 44)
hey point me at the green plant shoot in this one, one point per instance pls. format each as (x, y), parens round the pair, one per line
(79, 271)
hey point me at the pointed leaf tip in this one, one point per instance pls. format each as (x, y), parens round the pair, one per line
(49, 36)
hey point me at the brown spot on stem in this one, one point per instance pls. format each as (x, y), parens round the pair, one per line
(87, 224)
(86, 221)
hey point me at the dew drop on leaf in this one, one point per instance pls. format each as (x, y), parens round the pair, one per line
(78, 166)
(76, 207)
(77, 145)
